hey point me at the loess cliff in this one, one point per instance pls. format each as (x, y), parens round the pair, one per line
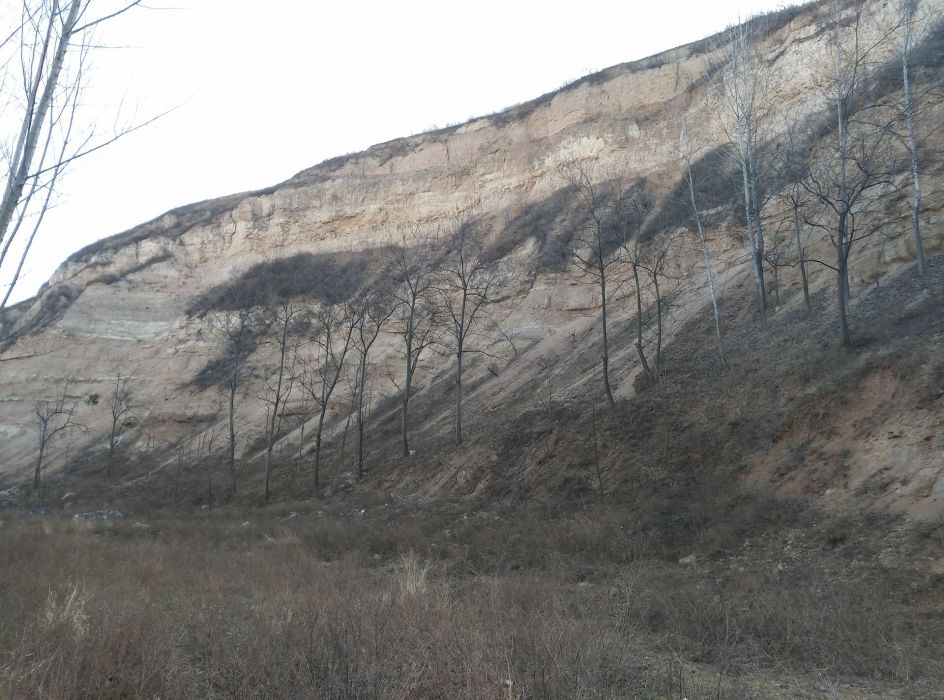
(141, 302)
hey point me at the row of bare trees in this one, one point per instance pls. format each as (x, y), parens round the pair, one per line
(833, 169)
(56, 416)
(838, 165)
(608, 251)
(431, 296)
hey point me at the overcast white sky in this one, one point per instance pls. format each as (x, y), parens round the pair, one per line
(261, 90)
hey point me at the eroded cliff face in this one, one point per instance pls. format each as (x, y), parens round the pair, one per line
(128, 303)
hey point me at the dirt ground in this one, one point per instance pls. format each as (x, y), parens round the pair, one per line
(368, 596)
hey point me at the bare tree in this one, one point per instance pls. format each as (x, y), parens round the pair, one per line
(688, 154)
(149, 445)
(205, 452)
(911, 27)
(184, 456)
(594, 247)
(53, 416)
(304, 413)
(596, 454)
(654, 261)
(372, 313)
(859, 161)
(629, 209)
(234, 329)
(283, 320)
(790, 162)
(467, 285)
(415, 321)
(45, 65)
(351, 396)
(334, 332)
(120, 405)
(744, 81)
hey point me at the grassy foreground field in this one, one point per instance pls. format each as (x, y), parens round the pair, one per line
(376, 598)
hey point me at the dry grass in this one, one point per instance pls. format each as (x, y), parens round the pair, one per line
(529, 590)
(393, 604)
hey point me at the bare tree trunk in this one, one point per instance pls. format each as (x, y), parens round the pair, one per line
(32, 125)
(407, 387)
(318, 432)
(660, 365)
(842, 232)
(606, 343)
(112, 441)
(639, 350)
(761, 287)
(274, 418)
(209, 471)
(232, 436)
(233, 330)
(912, 149)
(744, 84)
(842, 235)
(301, 443)
(843, 280)
(360, 445)
(459, 395)
(362, 373)
(403, 433)
(268, 463)
(801, 254)
(596, 453)
(759, 241)
(180, 466)
(147, 456)
(347, 427)
(37, 477)
(755, 236)
(37, 224)
(708, 269)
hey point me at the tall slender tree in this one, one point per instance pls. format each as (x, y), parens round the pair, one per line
(688, 154)
(373, 312)
(334, 330)
(53, 416)
(744, 80)
(120, 405)
(595, 247)
(46, 52)
(629, 209)
(467, 284)
(284, 317)
(234, 330)
(415, 318)
(860, 159)
(790, 162)
(909, 27)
